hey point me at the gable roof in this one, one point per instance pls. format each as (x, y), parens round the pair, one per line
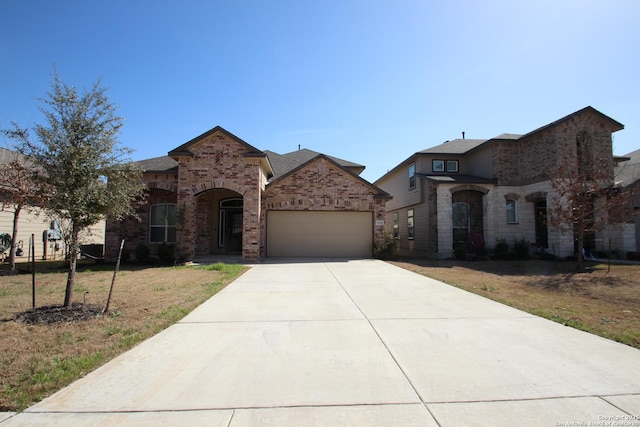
(283, 163)
(589, 109)
(379, 193)
(184, 149)
(278, 164)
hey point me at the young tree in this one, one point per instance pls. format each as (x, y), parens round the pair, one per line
(77, 154)
(587, 199)
(18, 191)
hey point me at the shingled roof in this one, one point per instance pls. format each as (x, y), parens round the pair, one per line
(164, 164)
(280, 163)
(628, 172)
(456, 146)
(284, 163)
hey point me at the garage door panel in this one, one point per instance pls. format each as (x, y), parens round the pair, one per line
(319, 234)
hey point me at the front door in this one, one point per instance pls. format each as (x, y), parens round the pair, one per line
(541, 224)
(233, 231)
(230, 231)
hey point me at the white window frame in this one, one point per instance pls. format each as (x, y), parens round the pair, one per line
(454, 169)
(169, 223)
(412, 175)
(410, 224)
(396, 225)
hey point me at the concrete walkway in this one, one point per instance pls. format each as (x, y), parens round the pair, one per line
(362, 343)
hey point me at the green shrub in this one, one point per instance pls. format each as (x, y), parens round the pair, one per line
(142, 253)
(384, 248)
(460, 252)
(166, 253)
(521, 248)
(502, 249)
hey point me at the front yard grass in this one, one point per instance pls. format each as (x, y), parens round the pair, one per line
(37, 360)
(600, 302)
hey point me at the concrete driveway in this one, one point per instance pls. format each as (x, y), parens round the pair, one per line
(362, 343)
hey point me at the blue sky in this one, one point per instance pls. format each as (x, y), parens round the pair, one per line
(369, 81)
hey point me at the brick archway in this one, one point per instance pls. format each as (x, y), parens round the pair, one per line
(218, 184)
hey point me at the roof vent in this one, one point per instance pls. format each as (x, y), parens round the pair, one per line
(462, 134)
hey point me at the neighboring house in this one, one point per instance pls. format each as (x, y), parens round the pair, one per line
(628, 176)
(216, 194)
(33, 221)
(475, 192)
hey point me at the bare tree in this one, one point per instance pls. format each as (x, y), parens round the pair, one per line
(586, 198)
(18, 192)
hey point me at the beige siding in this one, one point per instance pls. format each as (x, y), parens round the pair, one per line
(397, 184)
(30, 223)
(480, 163)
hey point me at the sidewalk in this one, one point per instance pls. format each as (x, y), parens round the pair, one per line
(354, 343)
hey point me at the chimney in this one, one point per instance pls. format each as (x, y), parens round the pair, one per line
(462, 134)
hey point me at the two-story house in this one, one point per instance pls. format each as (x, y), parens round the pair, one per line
(475, 192)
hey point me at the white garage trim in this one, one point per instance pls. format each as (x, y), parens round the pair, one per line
(319, 234)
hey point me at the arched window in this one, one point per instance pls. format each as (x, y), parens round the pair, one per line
(512, 211)
(162, 223)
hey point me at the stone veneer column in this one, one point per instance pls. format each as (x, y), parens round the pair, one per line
(445, 223)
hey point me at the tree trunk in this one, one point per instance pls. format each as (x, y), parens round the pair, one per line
(73, 257)
(580, 266)
(12, 251)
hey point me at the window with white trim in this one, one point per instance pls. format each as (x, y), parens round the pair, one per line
(396, 225)
(412, 175)
(452, 166)
(410, 228)
(162, 223)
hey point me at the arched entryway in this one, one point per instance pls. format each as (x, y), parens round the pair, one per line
(230, 225)
(467, 217)
(219, 221)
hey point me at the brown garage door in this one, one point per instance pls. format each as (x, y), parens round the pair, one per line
(319, 234)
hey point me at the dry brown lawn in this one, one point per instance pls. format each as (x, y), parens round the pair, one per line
(36, 360)
(601, 302)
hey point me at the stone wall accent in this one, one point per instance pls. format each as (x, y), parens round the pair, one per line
(536, 155)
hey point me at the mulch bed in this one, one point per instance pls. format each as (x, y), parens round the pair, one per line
(49, 314)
